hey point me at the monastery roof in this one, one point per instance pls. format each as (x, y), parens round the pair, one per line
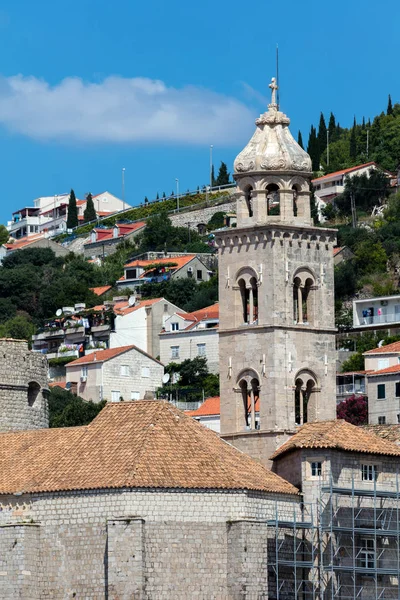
(180, 261)
(99, 291)
(138, 444)
(388, 349)
(339, 435)
(104, 355)
(345, 171)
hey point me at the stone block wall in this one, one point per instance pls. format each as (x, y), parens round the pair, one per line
(23, 387)
(19, 561)
(193, 218)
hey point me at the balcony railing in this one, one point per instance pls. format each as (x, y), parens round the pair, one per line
(349, 388)
(390, 317)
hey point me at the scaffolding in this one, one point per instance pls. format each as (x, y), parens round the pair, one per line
(345, 544)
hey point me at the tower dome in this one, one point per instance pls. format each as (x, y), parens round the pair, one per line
(272, 147)
(273, 173)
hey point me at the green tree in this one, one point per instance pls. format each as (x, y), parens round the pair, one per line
(157, 197)
(300, 140)
(72, 217)
(217, 221)
(312, 148)
(371, 258)
(332, 128)
(213, 181)
(146, 200)
(223, 177)
(4, 235)
(353, 142)
(322, 137)
(68, 410)
(89, 213)
(354, 363)
(389, 110)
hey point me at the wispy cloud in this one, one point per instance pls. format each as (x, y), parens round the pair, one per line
(120, 110)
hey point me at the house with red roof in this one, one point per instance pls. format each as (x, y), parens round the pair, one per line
(115, 374)
(209, 413)
(157, 270)
(38, 240)
(382, 366)
(104, 241)
(327, 187)
(187, 335)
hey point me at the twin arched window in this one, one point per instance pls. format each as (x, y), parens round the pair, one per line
(248, 288)
(303, 307)
(305, 385)
(249, 385)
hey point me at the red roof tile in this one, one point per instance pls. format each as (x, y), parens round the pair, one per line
(180, 261)
(211, 407)
(139, 444)
(60, 384)
(123, 308)
(26, 241)
(344, 171)
(387, 371)
(104, 355)
(99, 291)
(209, 312)
(388, 349)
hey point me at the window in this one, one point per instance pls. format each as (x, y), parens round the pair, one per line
(201, 349)
(397, 389)
(115, 396)
(174, 351)
(135, 395)
(316, 469)
(84, 371)
(145, 371)
(369, 472)
(199, 274)
(381, 420)
(124, 371)
(367, 553)
(381, 392)
(174, 326)
(104, 199)
(383, 363)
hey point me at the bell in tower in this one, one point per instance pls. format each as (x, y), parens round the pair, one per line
(277, 330)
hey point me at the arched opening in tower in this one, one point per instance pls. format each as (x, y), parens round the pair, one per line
(249, 201)
(297, 300)
(296, 190)
(302, 395)
(250, 397)
(306, 300)
(33, 392)
(272, 196)
(253, 304)
(245, 300)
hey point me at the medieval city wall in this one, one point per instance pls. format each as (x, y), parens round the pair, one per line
(141, 544)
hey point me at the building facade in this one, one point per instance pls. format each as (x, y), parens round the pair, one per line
(277, 331)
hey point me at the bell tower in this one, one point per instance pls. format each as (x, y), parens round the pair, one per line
(277, 330)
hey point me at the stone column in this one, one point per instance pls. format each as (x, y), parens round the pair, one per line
(251, 306)
(299, 305)
(253, 414)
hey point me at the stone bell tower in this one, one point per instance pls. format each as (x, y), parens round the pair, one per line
(277, 330)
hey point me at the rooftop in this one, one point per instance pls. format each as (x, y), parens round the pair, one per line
(212, 407)
(387, 432)
(388, 349)
(180, 261)
(339, 435)
(124, 308)
(99, 291)
(139, 444)
(393, 369)
(344, 171)
(26, 241)
(104, 355)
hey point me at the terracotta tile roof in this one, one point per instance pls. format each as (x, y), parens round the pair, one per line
(99, 291)
(180, 261)
(26, 241)
(123, 308)
(388, 349)
(393, 369)
(104, 355)
(387, 432)
(60, 384)
(344, 171)
(211, 407)
(124, 229)
(340, 435)
(338, 250)
(139, 444)
(209, 312)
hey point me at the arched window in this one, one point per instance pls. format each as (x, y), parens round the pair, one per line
(303, 299)
(253, 304)
(245, 297)
(272, 196)
(249, 201)
(305, 385)
(33, 392)
(247, 308)
(295, 189)
(250, 390)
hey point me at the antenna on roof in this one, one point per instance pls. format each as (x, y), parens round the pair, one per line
(277, 75)
(59, 312)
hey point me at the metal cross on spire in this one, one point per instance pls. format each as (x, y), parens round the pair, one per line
(274, 87)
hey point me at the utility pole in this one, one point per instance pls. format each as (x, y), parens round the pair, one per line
(277, 75)
(353, 210)
(211, 165)
(327, 147)
(177, 194)
(367, 142)
(123, 187)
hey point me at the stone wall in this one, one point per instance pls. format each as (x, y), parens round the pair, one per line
(23, 387)
(142, 544)
(193, 218)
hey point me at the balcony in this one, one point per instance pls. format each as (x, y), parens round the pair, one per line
(75, 331)
(48, 334)
(348, 389)
(383, 319)
(101, 328)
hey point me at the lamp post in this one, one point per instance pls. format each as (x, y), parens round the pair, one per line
(211, 165)
(177, 194)
(123, 187)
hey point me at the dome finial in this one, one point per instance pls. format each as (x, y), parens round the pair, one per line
(274, 87)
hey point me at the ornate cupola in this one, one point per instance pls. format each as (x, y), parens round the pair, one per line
(273, 173)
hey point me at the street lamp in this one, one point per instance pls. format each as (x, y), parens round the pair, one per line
(123, 187)
(177, 194)
(211, 166)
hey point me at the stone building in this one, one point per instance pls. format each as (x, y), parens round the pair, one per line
(277, 330)
(23, 387)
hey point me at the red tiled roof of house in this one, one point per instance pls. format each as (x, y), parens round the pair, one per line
(60, 384)
(387, 371)
(339, 435)
(388, 349)
(337, 250)
(123, 308)
(124, 229)
(344, 171)
(180, 261)
(99, 291)
(212, 407)
(104, 355)
(139, 444)
(209, 312)
(387, 432)
(26, 241)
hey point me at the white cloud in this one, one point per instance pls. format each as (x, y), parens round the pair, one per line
(119, 110)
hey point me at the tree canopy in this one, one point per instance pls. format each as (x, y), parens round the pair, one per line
(72, 216)
(68, 410)
(89, 213)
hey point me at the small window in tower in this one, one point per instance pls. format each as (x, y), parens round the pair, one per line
(272, 196)
(249, 201)
(33, 392)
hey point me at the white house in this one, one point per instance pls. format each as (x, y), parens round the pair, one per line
(141, 323)
(376, 313)
(126, 373)
(188, 335)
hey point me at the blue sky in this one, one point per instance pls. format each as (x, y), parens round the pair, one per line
(88, 87)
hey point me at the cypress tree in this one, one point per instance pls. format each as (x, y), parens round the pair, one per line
(389, 106)
(72, 217)
(353, 142)
(363, 123)
(332, 128)
(157, 197)
(89, 213)
(322, 138)
(300, 140)
(212, 176)
(146, 200)
(223, 175)
(312, 148)
(163, 195)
